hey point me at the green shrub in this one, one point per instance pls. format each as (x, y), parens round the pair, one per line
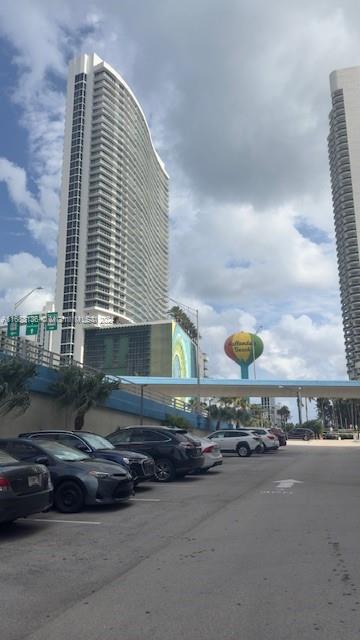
(176, 421)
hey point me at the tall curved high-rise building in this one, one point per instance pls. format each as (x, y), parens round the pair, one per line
(344, 157)
(113, 229)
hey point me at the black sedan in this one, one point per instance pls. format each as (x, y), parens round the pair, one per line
(24, 488)
(78, 479)
(142, 467)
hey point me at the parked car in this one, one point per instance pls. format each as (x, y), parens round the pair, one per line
(269, 440)
(78, 479)
(173, 452)
(141, 467)
(238, 440)
(300, 434)
(331, 435)
(212, 454)
(280, 434)
(25, 489)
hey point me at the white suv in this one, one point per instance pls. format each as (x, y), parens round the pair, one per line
(269, 440)
(238, 440)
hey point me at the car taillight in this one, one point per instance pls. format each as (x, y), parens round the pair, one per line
(208, 449)
(186, 445)
(271, 437)
(4, 484)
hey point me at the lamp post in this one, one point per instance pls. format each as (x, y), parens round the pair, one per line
(253, 347)
(19, 302)
(299, 404)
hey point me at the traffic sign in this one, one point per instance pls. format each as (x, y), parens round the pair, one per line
(51, 321)
(32, 324)
(13, 327)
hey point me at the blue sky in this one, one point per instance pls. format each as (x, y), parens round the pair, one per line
(242, 130)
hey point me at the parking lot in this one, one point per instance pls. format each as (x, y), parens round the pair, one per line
(195, 556)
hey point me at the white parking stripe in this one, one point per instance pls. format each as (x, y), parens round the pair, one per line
(145, 499)
(62, 521)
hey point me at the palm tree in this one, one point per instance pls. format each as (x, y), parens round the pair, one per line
(284, 413)
(82, 390)
(14, 376)
(184, 321)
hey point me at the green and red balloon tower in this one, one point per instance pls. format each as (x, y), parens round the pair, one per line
(244, 348)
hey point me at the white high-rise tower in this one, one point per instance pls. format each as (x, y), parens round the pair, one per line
(113, 228)
(344, 157)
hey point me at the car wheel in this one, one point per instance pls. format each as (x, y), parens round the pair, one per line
(243, 451)
(164, 470)
(69, 497)
(306, 438)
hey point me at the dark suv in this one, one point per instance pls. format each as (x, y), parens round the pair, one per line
(300, 434)
(141, 466)
(174, 453)
(280, 434)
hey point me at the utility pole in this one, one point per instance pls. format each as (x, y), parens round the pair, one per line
(299, 404)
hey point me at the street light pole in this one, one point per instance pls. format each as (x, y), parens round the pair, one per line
(253, 347)
(19, 302)
(299, 404)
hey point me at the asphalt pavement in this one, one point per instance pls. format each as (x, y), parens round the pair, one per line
(264, 548)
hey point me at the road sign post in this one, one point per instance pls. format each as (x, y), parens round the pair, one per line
(13, 327)
(51, 321)
(32, 324)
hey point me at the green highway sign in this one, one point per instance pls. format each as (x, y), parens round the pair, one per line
(13, 327)
(32, 324)
(51, 321)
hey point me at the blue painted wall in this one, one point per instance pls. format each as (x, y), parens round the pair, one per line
(122, 401)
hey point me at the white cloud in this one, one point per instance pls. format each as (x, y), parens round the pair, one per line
(16, 182)
(295, 347)
(19, 274)
(36, 214)
(238, 101)
(258, 258)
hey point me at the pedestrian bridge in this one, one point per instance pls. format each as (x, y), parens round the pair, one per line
(233, 388)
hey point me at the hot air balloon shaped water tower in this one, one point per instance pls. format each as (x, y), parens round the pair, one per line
(244, 348)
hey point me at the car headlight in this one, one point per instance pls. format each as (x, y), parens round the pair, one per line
(99, 474)
(126, 460)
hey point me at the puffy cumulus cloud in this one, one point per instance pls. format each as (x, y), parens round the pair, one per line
(16, 182)
(42, 38)
(295, 347)
(248, 116)
(35, 212)
(238, 255)
(237, 98)
(300, 347)
(19, 274)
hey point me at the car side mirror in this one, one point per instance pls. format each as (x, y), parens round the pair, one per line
(42, 460)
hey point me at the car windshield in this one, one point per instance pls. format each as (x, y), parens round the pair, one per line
(62, 452)
(6, 459)
(96, 442)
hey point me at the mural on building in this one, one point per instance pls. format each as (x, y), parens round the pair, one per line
(183, 354)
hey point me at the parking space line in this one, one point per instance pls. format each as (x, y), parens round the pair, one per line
(62, 521)
(145, 499)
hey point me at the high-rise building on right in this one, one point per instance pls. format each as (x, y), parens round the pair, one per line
(344, 158)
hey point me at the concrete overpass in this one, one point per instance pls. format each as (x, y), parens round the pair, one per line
(220, 388)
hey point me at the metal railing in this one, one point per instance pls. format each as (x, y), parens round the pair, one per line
(32, 352)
